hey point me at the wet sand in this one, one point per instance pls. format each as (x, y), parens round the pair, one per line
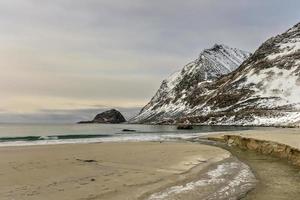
(279, 178)
(100, 171)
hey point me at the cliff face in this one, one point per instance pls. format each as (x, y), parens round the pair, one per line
(181, 93)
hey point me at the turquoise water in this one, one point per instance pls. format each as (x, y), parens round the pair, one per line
(31, 134)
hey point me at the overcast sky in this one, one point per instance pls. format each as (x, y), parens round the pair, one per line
(66, 55)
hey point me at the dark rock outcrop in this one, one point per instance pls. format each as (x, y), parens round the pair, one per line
(128, 130)
(108, 117)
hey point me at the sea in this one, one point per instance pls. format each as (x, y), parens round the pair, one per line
(41, 134)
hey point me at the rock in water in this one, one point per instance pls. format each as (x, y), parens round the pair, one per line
(108, 117)
(111, 116)
(128, 130)
(182, 92)
(185, 127)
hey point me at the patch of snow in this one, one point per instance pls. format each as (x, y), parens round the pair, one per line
(283, 119)
(286, 49)
(275, 83)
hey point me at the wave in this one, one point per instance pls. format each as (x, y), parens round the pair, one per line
(52, 137)
(88, 138)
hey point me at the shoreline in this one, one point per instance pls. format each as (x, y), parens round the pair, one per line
(123, 170)
(277, 178)
(273, 158)
(51, 134)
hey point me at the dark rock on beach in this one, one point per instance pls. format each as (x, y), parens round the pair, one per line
(108, 117)
(128, 130)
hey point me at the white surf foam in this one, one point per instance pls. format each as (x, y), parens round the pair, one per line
(113, 138)
(228, 181)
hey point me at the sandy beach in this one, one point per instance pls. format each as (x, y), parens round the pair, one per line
(129, 170)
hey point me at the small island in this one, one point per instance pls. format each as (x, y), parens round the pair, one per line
(112, 116)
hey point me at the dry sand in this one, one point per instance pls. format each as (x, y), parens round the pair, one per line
(99, 171)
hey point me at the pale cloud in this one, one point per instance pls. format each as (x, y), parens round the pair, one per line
(33, 104)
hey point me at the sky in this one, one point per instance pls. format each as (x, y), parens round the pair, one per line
(65, 60)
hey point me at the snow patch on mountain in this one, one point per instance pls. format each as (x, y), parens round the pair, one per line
(274, 82)
(286, 49)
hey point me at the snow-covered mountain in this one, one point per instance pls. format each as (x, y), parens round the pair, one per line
(264, 90)
(182, 92)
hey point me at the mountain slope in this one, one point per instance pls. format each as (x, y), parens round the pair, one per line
(176, 94)
(264, 90)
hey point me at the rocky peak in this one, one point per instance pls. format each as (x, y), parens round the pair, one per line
(175, 94)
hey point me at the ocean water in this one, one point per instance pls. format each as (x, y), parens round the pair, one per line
(39, 134)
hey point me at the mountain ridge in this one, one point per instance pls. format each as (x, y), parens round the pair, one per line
(172, 98)
(263, 91)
